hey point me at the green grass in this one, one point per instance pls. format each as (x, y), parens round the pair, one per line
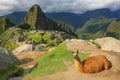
(10, 45)
(10, 71)
(8, 38)
(36, 37)
(53, 62)
(96, 44)
(114, 27)
(83, 56)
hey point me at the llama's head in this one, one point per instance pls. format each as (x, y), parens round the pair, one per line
(75, 54)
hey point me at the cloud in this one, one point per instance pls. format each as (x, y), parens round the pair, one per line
(75, 6)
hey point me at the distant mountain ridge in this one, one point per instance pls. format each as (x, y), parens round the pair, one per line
(91, 24)
(100, 27)
(16, 17)
(76, 20)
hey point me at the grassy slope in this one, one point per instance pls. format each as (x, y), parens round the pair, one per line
(8, 38)
(115, 26)
(53, 62)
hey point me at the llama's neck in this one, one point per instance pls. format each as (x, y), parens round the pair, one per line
(78, 64)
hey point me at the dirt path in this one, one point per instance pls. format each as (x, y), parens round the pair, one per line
(27, 61)
(73, 74)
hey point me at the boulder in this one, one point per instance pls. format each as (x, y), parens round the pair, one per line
(109, 43)
(7, 58)
(24, 48)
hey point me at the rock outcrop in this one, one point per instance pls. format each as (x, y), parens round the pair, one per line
(21, 49)
(109, 43)
(7, 58)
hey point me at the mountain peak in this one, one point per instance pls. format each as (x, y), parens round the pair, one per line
(36, 5)
(36, 8)
(35, 17)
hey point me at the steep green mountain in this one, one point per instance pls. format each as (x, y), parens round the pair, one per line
(5, 23)
(114, 29)
(94, 28)
(36, 19)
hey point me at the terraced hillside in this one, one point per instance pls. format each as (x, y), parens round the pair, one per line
(114, 29)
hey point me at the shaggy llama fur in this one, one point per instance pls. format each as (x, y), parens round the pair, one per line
(92, 64)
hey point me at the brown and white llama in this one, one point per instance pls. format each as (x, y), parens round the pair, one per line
(92, 64)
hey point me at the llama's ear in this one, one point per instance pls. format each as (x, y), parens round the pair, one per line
(77, 51)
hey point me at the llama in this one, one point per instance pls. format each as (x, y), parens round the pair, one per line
(92, 64)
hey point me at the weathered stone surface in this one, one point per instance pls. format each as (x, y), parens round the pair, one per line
(109, 43)
(7, 58)
(24, 48)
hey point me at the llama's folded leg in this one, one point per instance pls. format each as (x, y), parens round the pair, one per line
(106, 65)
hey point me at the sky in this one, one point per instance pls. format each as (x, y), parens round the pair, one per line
(74, 6)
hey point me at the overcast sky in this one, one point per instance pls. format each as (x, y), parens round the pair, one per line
(75, 6)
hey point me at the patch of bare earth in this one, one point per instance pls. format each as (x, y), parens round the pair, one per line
(27, 61)
(72, 74)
